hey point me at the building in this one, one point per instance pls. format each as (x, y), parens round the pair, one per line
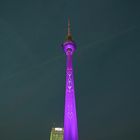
(70, 117)
(57, 133)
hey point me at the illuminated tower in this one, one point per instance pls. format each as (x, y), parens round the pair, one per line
(70, 117)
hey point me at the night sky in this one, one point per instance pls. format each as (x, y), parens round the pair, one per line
(106, 68)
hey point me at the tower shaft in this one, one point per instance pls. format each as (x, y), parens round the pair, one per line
(70, 117)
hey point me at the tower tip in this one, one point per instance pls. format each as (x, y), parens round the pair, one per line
(69, 36)
(69, 33)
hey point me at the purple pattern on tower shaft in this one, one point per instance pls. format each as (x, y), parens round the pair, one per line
(70, 117)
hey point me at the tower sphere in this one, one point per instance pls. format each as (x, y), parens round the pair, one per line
(69, 47)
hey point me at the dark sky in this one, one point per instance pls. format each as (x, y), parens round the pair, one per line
(106, 64)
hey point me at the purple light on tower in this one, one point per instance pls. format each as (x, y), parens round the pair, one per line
(70, 117)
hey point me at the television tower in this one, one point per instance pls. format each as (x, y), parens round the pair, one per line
(70, 117)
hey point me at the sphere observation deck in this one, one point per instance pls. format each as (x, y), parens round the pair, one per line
(69, 47)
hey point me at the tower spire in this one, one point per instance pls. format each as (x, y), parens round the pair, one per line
(69, 36)
(69, 32)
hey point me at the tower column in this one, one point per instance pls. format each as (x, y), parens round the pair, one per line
(70, 117)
